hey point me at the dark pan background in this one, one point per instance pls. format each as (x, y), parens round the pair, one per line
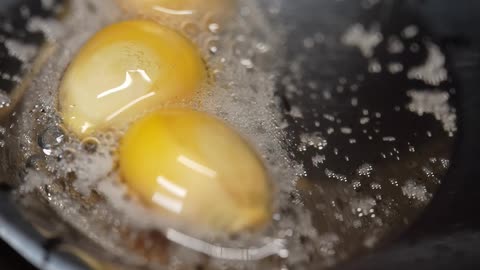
(447, 235)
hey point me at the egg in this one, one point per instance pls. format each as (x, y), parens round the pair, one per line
(126, 69)
(191, 167)
(180, 9)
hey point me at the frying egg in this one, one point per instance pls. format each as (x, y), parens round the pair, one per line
(193, 168)
(126, 69)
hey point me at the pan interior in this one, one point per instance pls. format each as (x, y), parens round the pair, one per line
(364, 114)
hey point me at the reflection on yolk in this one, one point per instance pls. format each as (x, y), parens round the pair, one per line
(124, 70)
(195, 169)
(181, 8)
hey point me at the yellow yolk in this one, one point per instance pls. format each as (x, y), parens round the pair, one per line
(193, 168)
(125, 70)
(180, 9)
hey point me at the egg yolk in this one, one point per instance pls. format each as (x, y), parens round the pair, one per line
(193, 168)
(124, 70)
(180, 8)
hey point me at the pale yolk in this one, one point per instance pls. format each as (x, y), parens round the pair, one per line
(193, 168)
(125, 70)
(182, 9)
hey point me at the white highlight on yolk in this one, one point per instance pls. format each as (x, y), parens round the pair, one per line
(85, 126)
(174, 189)
(173, 11)
(128, 82)
(170, 204)
(197, 167)
(129, 105)
(167, 202)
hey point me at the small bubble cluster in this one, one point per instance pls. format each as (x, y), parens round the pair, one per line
(365, 40)
(314, 140)
(436, 103)
(415, 191)
(433, 71)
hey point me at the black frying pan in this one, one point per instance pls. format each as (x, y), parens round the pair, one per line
(445, 236)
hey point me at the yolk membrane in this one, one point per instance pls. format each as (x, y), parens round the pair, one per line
(180, 9)
(126, 69)
(193, 168)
